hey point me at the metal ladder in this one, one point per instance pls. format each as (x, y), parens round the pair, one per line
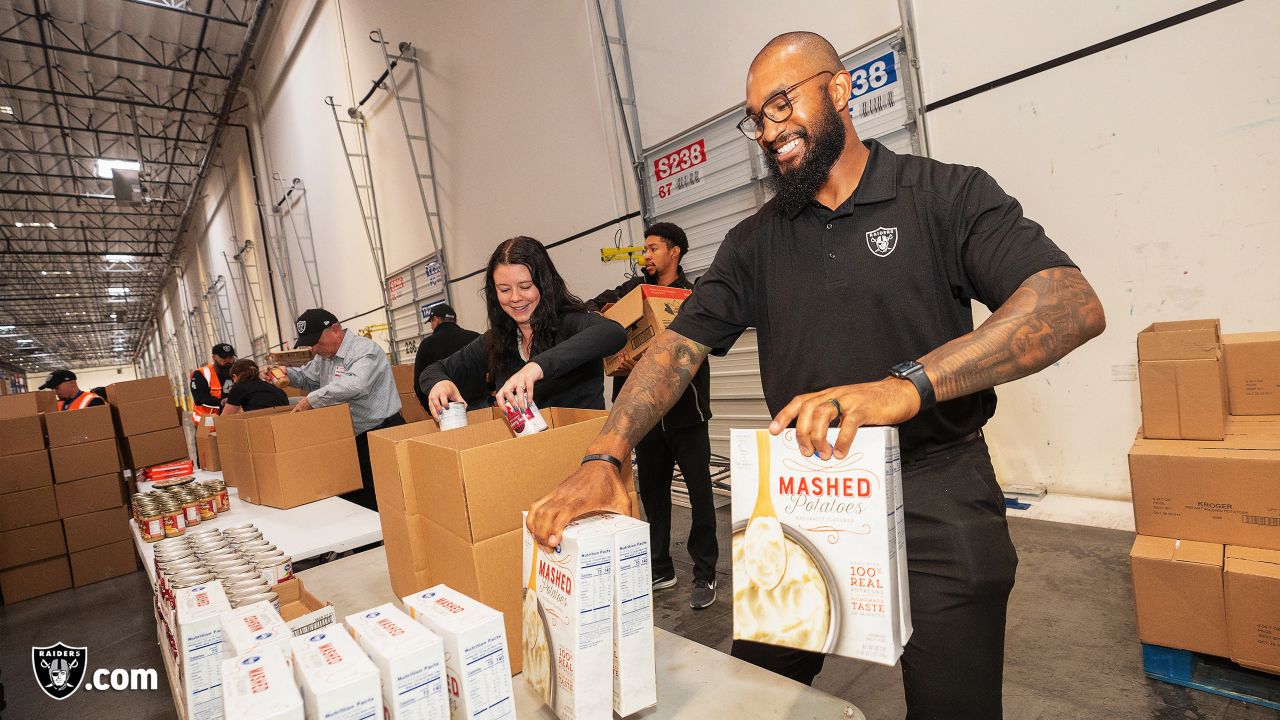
(248, 289)
(614, 35)
(412, 110)
(215, 294)
(362, 179)
(292, 208)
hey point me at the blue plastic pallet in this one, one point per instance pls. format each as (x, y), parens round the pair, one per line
(1211, 675)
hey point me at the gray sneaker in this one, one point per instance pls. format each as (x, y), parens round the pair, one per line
(702, 595)
(664, 581)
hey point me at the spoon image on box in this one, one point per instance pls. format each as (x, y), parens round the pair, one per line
(765, 548)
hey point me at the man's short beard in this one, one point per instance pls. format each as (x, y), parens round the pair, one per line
(797, 187)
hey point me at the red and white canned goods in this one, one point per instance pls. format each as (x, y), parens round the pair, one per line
(528, 422)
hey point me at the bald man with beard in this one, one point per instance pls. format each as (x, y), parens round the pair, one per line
(859, 276)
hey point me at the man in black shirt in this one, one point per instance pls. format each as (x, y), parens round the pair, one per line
(446, 338)
(859, 275)
(679, 437)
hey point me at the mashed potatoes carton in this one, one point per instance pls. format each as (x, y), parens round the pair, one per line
(568, 620)
(259, 686)
(410, 659)
(819, 546)
(199, 640)
(255, 628)
(475, 652)
(338, 681)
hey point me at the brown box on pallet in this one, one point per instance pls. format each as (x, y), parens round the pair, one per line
(282, 459)
(102, 562)
(21, 435)
(74, 427)
(1177, 587)
(29, 544)
(145, 416)
(97, 528)
(154, 448)
(76, 462)
(1182, 380)
(27, 507)
(135, 390)
(38, 578)
(1252, 583)
(89, 495)
(25, 471)
(1253, 372)
(27, 404)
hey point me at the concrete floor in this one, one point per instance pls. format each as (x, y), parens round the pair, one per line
(1072, 647)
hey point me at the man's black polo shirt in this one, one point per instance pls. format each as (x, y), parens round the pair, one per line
(841, 296)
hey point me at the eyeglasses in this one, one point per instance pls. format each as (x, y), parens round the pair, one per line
(777, 108)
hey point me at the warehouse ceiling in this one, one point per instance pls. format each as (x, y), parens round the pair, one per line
(108, 110)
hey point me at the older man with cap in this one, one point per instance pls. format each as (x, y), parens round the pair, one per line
(446, 338)
(70, 396)
(208, 381)
(346, 368)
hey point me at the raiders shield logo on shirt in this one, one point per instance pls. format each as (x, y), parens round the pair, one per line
(59, 669)
(882, 241)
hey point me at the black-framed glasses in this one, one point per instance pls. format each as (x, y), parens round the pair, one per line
(777, 107)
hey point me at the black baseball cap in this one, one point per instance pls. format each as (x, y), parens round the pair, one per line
(310, 324)
(224, 350)
(444, 311)
(56, 378)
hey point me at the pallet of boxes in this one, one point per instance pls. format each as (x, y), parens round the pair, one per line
(1205, 473)
(146, 418)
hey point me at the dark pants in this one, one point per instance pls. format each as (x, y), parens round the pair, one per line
(960, 566)
(365, 497)
(657, 454)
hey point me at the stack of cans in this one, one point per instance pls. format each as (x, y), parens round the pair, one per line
(246, 565)
(178, 508)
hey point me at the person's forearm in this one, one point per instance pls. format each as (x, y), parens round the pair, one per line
(1052, 313)
(658, 380)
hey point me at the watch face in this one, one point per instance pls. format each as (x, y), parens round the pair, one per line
(905, 368)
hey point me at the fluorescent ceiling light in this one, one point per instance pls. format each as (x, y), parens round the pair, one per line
(6, 110)
(118, 258)
(105, 166)
(117, 291)
(49, 225)
(117, 299)
(4, 328)
(26, 341)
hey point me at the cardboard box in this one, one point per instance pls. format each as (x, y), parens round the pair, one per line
(302, 610)
(145, 416)
(76, 462)
(644, 312)
(156, 447)
(1224, 492)
(1183, 399)
(38, 578)
(840, 545)
(29, 544)
(1180, 340)
(27, 404)
(1253, 372)
(475, 651)
(1177, 587)
(27, 507)
(334, 673)
(74, 427)
(89, 495)
(289, 358)
(410, 660)
(198, 636)
(411, 410)
(96, 529)
(25, 471)
(1252, 584)
(567, 620)
(105, 561)
(21, 435)
(135, 390)
(207, 457)
(282, 459)
(260, 687)
(403, 376)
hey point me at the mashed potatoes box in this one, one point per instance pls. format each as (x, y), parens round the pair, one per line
(837, 582)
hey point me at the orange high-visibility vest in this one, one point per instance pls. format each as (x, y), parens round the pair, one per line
(79, 402)
(198, 411)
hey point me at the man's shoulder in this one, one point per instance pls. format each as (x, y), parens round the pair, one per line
(942, 179)
(748, 231)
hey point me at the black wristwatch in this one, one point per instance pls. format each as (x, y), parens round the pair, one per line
(914, 372)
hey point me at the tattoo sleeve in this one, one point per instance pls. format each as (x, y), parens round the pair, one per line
(657, 381)
(1052, 313)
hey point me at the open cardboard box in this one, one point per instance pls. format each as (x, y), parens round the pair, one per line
(644, 312)
(282, 459)
(303, 611)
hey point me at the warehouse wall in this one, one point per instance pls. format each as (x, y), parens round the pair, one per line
(91, 377)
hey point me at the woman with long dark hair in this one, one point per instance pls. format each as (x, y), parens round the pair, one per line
(539, 332)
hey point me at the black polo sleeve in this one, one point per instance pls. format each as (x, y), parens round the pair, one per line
(722, 305)
(236, 395)
(995, 247)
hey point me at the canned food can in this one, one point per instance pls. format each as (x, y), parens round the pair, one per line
(246, 538)
(528, 422)
(256, 547)
(248, 575)
(242, 600)
(277, 569)
(453, 416)
(242, 527)
(279, 377)
(202, 532)
(194, 577)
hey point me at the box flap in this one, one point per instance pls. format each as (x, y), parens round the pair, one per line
(1180, 340)
(1147, 547)
(1251, 338)
(629, 309)
(1200, 553)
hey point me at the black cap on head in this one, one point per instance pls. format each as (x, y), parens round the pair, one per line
(444, 311)
(56, 378)
(310, 324)
(224, 350)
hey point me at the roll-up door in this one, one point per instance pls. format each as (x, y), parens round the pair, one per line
(412, 291)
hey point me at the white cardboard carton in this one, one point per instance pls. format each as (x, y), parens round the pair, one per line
(199, 639)
(410, 659)
(843, 587)
(338, 681)
(475, 652)
(256, 628)
(568, 620)
(259, 686)
(635, 682)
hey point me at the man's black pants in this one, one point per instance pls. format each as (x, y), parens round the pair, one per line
(960, 567)
(657, 454)
(365, 497)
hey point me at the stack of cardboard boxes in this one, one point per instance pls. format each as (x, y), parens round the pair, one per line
(33, 553)
(410, 408)
(1206, 500)
(150, 430)
(282, 459)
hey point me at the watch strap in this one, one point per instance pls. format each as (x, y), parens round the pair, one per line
(615, 462)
